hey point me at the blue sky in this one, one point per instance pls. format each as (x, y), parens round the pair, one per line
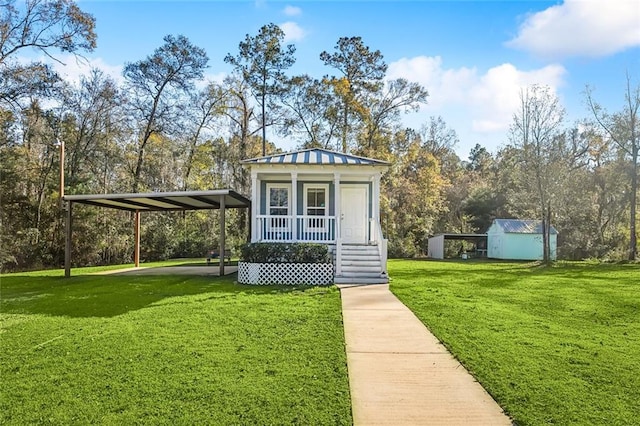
(472, 56)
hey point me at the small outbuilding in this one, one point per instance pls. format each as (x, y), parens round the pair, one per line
(436, 245)
(516, 239)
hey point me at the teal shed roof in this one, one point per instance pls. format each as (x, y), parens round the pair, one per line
(519, 226)
(315, 156)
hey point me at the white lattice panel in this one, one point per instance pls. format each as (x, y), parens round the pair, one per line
(285, 273)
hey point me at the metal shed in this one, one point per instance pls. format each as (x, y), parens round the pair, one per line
(517, 239)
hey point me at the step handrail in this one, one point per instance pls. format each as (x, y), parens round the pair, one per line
(382, 248)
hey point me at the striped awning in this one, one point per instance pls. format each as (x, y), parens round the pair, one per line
(164, 201)
(315, 156)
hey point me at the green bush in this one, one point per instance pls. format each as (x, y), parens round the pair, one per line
(285, 253)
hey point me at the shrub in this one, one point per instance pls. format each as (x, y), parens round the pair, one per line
(285, 253)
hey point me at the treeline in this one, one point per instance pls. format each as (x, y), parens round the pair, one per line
(165, 128)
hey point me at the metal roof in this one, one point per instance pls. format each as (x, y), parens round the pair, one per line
(315, 156)
(519, 226)
(164, 201)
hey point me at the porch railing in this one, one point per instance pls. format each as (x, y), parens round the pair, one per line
(382, 247)
(318, 229)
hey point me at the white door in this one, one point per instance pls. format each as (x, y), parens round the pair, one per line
(353, 213)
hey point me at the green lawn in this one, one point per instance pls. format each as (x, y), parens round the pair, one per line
(169, 350)
(557, 345)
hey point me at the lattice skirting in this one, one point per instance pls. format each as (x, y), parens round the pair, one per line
(285, 273)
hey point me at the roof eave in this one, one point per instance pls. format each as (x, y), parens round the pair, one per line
(257, 160)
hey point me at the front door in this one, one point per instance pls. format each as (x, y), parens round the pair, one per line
(353, 213)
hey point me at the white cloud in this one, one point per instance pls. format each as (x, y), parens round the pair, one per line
(443, 85)
(495, 96)
(215, 77)
(73, 68)
(478, 106)
(292, 10)
(589, 28)
(292, 32)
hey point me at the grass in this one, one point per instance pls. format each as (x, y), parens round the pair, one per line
(169, 350)
(94, 269)
(558, 345)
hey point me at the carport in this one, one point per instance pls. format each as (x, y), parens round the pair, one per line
(153, 202)
(435, 247)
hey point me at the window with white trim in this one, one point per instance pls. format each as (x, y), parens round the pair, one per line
(316, 203)
(278, 204)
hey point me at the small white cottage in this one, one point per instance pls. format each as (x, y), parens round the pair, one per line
(516, 239)
(322, 196)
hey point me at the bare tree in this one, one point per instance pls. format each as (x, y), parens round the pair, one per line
(623, 129)
(261, 62)
(205, 106)
(362, 72)
(156, 83)
(385, 106)
(44, 25)
(535, 130)
(92, 116)
(312, 116)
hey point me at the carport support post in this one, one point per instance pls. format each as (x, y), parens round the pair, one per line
(249, 221)
(222, 236)
(67, 238)
(136, 237)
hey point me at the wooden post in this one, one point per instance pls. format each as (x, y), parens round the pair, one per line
(222, 235)
(136, 237)
(67, 239)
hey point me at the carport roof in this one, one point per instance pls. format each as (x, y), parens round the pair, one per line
(164, 201)
(460, 236)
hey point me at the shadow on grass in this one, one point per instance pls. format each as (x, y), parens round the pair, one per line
(497, 273)
(111, 295)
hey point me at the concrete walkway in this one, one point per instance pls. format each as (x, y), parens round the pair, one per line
(399, 374)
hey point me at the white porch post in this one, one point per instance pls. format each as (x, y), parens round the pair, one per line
(376, 204)
(294, 206)
(338, 216)
(255, 203)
